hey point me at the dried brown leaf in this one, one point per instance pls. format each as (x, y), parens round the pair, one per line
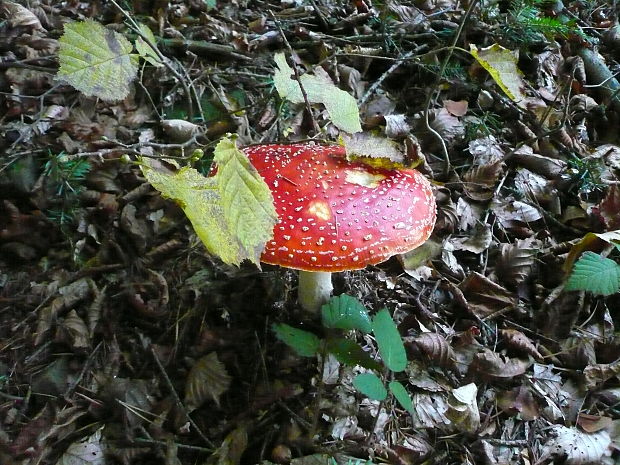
(574, 447)
(232, 448)
(609, 208)
(519, 341)
(449, 127)
(516, 262)
(484, 297)
(595, 375)
(436, 348)
(456, 108)
(495, 367)
(479, 240)
(73, 331)
(593, 423)
(20, 16)
(480, 181)
(208, 379)
(519, 401)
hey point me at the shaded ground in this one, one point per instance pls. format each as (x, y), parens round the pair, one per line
(116, 329)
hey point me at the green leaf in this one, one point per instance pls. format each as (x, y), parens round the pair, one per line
(96, 61)
(345, 312)
(144, 49)
(388, 339)
(402, 396)
(350, 353)
(501, 64)
(303, 342)
(370, 385)
(246, 199)
(340, 105)
(596, 274)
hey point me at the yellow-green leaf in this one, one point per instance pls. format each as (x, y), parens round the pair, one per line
(501, 64)
(96, 61)
(246, 199)
(340, 105)
(144, 49)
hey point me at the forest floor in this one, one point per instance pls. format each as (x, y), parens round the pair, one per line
(122, 341)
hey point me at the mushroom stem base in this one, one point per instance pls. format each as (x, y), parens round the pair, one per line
(315, 289)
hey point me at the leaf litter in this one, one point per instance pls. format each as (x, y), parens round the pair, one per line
(509, 360)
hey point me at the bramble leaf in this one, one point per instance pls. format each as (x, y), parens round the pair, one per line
(96, 60)
(370, 385)
(346, 312)
(305, 343)
(388, 339)
(596, 274)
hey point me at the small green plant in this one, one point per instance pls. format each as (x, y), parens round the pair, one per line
(596, 274)
(347, 313)
(483, 124)
(527, 24)
(65, 177)
(585, 175)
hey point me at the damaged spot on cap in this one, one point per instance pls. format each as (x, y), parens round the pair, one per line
(363, 178)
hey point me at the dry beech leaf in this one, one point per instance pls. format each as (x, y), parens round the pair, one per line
(511, 212)
(519, 341)
(478, 242)
(436, 348)
(519, 401)
(577, 352)
(609, 208)
(73, 330)
(545, 166)
(430, 410)
(597, 374)
(575, 447)
(208, 379)
(593, 423)
(515, 263)
(494, 367)
(396, 126)
(449, 127)
(485, 151)
(468, 213)
(480, 181)
(484, 297)
(20, 16)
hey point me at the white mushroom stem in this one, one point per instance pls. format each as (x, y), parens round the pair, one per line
(315, 289)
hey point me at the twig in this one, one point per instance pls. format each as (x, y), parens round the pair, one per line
(87, 365)
(429, 96)
(165, 61)
(315, 125)
(154, 442)
(178, 401)
(375, 85)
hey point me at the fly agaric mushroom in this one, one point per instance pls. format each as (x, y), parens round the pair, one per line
(336, 215)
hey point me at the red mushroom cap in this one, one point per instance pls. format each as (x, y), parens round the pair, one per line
(336, 215)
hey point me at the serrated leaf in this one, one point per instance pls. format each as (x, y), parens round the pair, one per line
(208, 379)
(389, 342)
(88, 451)
(144, 49)
(350, 353)
(370, 385)
(340, 105)
(200, 200)
(96, 61)
(501, 64)
(401, 395)
(596, 274)
(303, 342)
(346, 312)
(246, 199)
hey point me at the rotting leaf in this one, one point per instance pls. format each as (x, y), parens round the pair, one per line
(519, 400)
(484, 297)
(208, 379)
(494, 367)
(516, 262)
(96, 60)
(340, 105)
(232, 447)
(436, 348)
(501, 64)
(517, 340)
(575, 447)
(383, 152)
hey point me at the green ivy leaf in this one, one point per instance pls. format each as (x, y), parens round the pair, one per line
(303, 342)
(340, 105)
(388, 339)
(370, 385)
(144, 49)
(596, 274)
(246, 199)
(345, 312)
(348, 352)
(402, 396)
(96, 61)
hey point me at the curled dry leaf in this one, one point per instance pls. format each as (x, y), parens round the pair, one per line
(430, 411)
(609, 208)
(73, 331)
(593, 423)
(595, 375)
(519, 341)
(463, 408)
(486, 151)
(449, 127)
(436, 348)
(515, 263)
(545, 166)
(480, 181)
(495, 367)
(20, 16)
(208, 379)
(478, 242)
(456, 108)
